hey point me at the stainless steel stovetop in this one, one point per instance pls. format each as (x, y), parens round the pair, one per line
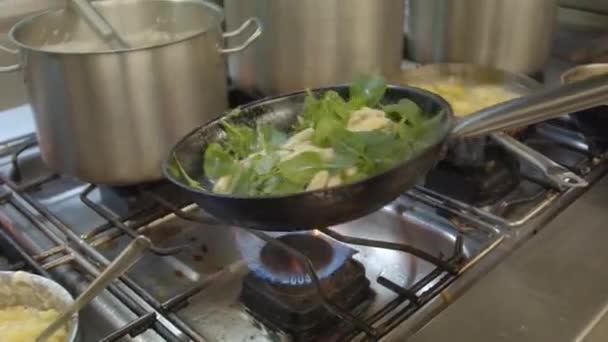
(419, 252)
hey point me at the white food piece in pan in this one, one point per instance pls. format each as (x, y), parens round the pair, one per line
(327, 154)
(299, 138)
(318, 181)
(222, 184)
(367, 119)
(351, 171)
(334, 180)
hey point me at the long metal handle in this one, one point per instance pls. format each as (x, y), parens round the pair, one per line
(540, 106)
(99, 24)
(255, 35)
(9, 68)
(559, 175)
(131, 254)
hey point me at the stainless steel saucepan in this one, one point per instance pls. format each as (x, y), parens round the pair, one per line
(471, 151)
(330, 206)
(315, 43)
(513, 35)
(110, 115)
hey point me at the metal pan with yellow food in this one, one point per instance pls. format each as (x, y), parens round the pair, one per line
(470, 88)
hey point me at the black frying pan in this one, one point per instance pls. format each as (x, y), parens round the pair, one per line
(326, 207)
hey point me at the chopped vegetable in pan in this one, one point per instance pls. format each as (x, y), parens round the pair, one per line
(334, 142)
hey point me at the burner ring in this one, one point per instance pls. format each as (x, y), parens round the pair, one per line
(277, 266)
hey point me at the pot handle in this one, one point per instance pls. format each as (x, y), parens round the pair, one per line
(9, 68)
(540, 106)
(255, 35)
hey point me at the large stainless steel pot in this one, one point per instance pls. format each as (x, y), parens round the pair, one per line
(513, 35)
(310, 43)
(110, 116)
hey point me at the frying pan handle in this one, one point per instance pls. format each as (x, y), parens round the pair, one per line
(541, 106)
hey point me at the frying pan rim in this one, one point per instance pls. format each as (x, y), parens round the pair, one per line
(444, 104)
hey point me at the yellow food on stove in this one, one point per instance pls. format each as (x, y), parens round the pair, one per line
(24, 324)
(468, 98)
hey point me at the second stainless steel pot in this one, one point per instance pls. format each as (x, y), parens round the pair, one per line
(513, 35)
(110, 116)
(311, 43)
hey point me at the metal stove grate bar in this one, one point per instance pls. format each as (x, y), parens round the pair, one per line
(134, 328)
(110, 217)
(17, 196)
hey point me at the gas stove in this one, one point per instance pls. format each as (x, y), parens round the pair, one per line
(380, 277)
(204, 281)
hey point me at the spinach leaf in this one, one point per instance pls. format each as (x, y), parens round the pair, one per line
(177, 170)
(301, 168)
(367, 90)
(263, 164)
(310, 112)
(383, 150)
(333, 105)
(325, 128)
(242, 181)
(277, 185)
(405, 110)
(217, 162)
(241, 139)
(269, 138)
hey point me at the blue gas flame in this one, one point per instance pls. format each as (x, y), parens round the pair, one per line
(341, 253)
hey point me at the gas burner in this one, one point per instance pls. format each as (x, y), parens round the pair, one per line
(483, 185)
(275, 265)
(279, 291)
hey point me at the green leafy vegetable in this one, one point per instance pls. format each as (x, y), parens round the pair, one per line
(405, 110)
(367, 90)
(241, 139)
(178, 172)
(263, 164)
(257, 161)
(242, 181)
(217, 162)
(325, 128)
(269, 138)
(301, 168)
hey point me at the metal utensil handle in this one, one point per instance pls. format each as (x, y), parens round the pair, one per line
(255, 35)
(131, 254)
(558, 174)
(540, 106)
(99, 24)
(9, 68)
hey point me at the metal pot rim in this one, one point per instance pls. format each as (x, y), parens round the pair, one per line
(217, 12)
(595, 69)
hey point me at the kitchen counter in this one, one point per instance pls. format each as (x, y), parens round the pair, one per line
(552, 289)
